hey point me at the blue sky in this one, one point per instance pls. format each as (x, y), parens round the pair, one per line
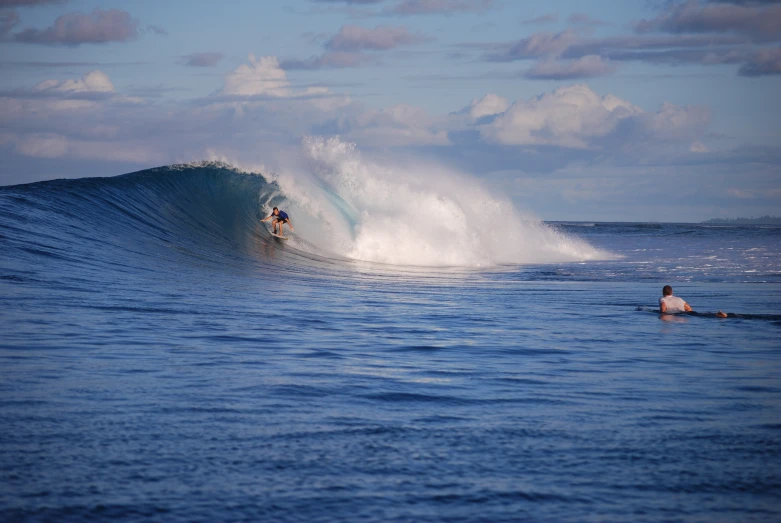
(603, 110)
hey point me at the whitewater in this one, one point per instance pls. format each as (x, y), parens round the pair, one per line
(420, 349)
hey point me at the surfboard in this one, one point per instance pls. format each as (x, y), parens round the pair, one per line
(278, 236)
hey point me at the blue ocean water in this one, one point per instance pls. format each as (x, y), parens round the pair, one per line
(163, 358)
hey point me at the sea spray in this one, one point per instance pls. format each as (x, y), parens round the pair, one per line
(412, 214)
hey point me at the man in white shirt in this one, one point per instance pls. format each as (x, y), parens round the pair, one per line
(672, 304)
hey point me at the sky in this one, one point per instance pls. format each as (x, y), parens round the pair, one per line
(607, 110)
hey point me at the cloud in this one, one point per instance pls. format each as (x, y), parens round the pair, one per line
(28, 3)
(262, 76)
(8, 20)
(46, 65)
(488, 105)
(542, 19)
(93, 82)
(756, 20)
(202, 59)
(586, 67)
(585, 20)
(156, 29)
(396, 126)
(763, 62)
(329, 61)
(567, 117)
(445, 7)
(538, 45)
(74, 29)
(704, 49)
(678, 123)
(699, 147)
(351, 38)
(348, 47)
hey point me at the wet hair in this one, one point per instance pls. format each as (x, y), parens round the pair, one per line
(274, 209)
(667, 291)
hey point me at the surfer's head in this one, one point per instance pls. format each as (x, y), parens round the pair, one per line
(275, 210)
(667, 291)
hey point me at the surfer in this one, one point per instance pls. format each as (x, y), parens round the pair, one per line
(280, 218)
(673, 304)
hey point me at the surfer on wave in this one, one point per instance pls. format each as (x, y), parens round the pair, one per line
(280, 218)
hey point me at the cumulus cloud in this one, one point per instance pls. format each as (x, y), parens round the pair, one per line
(567, 117)
(258, 105)
(352, 38)
(488, 105)
(93, 82)
(201, 59)
(262, 76)
(673, 122)
(585, 67)
(757, 20)
(74, 29)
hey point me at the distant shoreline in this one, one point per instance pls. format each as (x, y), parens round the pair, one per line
(762, 220)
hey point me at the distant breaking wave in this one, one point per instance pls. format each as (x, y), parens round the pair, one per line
(342, 207)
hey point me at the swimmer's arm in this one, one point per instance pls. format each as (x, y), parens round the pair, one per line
(686, 307)
(662, 306)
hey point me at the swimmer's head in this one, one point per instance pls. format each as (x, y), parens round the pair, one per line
(667, 291)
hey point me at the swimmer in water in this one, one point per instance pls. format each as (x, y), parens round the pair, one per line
(669, 304)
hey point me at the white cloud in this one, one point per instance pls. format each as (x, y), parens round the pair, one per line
(262, 76)
(93, 82)
(567, 117)
(488, 105)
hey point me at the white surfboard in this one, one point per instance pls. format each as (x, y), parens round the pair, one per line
(278, 236)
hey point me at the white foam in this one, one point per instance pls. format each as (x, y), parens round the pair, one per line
(411, 214)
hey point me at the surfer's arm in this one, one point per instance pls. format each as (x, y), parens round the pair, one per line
(686, 307)
(267, 218)
(662, 306)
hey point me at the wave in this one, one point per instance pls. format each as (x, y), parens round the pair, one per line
(342, 206)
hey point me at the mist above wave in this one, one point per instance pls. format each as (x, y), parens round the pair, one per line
(411, 214)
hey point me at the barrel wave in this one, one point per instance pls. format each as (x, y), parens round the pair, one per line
(343, 210)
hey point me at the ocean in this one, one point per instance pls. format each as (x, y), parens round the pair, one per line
(418, 350)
